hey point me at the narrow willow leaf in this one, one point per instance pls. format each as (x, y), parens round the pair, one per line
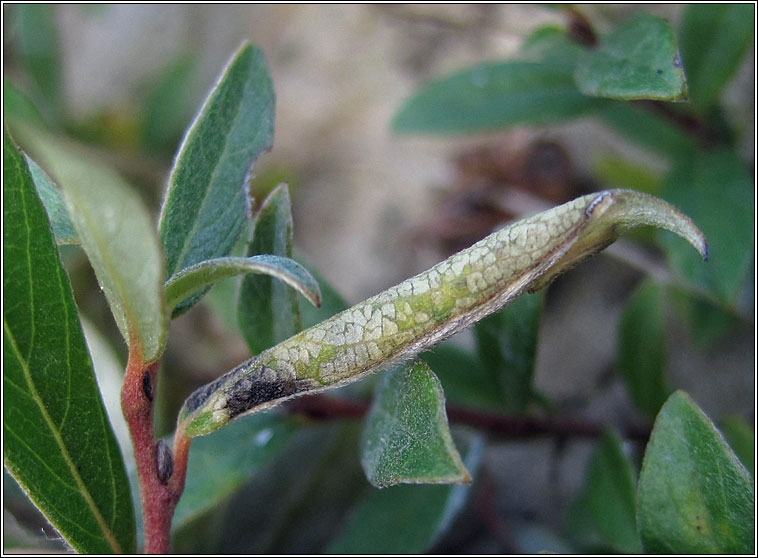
(268, 311)
(206, 204)
(118, 236)
(494, 95)
(611, 496)
(404, 519)
(637, 60)
(197, 277)
(218, 465)
(52, 198)
(694, 496)
(506, 343)
(421, 311)
(58, 444)
(642, 347)
(551, 44)
(713, 38)
(406, 437)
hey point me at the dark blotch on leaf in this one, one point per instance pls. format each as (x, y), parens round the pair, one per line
(250, 391)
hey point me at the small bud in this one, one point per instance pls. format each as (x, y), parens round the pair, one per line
(164, 461)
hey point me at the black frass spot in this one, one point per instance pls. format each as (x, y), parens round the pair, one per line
(252, 391)
(198, 397)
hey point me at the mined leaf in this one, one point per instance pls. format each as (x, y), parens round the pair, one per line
(506, 342)
(39, 49)
(694, 497)
(406, 438)
(637, 60)
(268, 311)
(717, 191)
(421, 311)
(206, 204)
(117, 234)
(713, 38)
(611, 496)
(197, 277)
(220, 464)
(58, 444)
(642, 347)
(404, 519)
(741, 438)
(494, 95)
(52, 198)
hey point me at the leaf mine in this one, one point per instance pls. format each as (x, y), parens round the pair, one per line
(402, 321)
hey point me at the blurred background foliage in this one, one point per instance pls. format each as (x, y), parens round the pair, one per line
(391, 132)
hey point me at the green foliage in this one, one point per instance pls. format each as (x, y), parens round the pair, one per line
(281, 482)
(206, 205)
(58, 443)
(406, 437)
(695, 497)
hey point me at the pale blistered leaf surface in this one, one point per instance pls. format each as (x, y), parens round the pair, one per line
(206, 205)
(197, 277)
(268, 311)
(57, 441)
(637, 60)
(406, 437)
(117, 234)
(421, 311)
(694, 497)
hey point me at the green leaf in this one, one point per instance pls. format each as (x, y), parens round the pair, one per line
(610, 496)
(551, 44)
(39, 49)
(707, 321)
(694, 496)
(713, 38)
(404, 519)
(219, 465)
(637, 60)
(406, 437)
(642, 346)
(506, 343)
(646, 129)
(18, 107)
(206, 205)
(741, 438)
(492, 96)
(268, 312)
(52, 198)
(197, 277)
(717, 191)
(117, 234)
(58, 444)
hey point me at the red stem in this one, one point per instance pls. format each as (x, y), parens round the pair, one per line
(159, 498)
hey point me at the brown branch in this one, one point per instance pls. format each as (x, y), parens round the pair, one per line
(323, 408)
